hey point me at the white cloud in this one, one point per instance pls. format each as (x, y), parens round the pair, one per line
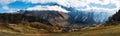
(74, 2)
(69, 3)
(55, 8)
(10, 10)
(5, 7)
(79, 3)
(5, 2)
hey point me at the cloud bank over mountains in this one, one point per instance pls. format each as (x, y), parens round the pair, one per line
(112, 5)
(96, 5)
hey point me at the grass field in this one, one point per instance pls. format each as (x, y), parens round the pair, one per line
(106, 31)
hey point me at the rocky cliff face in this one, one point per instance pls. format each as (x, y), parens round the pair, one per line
(54, 17)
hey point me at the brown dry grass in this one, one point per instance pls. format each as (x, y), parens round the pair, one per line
(105, 31)
(99, 30)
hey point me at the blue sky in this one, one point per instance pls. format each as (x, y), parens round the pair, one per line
(15, 5)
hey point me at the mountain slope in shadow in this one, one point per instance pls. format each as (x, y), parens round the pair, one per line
(53, 17)
(114, 20)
